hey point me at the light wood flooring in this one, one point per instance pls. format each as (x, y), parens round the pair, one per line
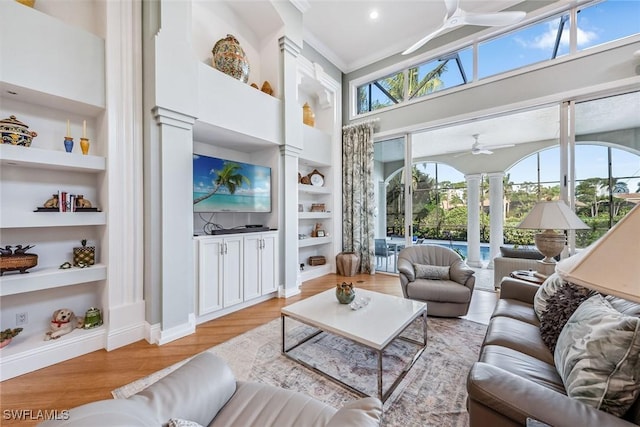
(93, 376)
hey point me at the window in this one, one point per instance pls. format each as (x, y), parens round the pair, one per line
(443, 73)
(381, 93)
(607, 21)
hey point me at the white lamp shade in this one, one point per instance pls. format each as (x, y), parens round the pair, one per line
(610, 265)
(552, 215)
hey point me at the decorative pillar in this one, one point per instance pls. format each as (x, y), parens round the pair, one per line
(381, 203)
(289, 152)
(473, 220)
(496, 212)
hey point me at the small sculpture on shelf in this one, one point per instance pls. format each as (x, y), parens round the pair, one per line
(345, 293)
(53, 202)
(266, 88)
(84, 256)
(15, 132)
(229, 58)
(63, 321)
(17, 259)
(81, 202)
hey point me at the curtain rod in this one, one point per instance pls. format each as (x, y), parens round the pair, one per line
(363, 122)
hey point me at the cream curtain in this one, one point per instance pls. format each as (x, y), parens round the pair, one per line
(358, 193)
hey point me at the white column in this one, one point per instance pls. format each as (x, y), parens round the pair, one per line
(381, 221)
(473, 220)
(496, 212)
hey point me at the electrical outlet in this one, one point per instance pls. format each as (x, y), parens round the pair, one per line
(22, 319)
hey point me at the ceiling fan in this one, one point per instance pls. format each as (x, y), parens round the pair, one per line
(477, 148)
(457, 17)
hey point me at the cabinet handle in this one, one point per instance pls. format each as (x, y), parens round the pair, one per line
(226, 248)
(261, 243)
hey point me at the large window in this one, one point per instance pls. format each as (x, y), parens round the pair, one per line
(597, 23)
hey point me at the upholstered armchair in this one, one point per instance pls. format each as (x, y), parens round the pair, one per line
(437, 275)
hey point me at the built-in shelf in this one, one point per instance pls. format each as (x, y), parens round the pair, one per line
(12, 155)
(52, 219)
(314, 215)
(314, 271)
(313, 189)
(313, 241)
(48, 278)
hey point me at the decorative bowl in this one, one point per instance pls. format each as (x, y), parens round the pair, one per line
(15, 132)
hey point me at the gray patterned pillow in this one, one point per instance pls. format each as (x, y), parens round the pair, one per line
(548, 288)
(598, 356)
(433, 272)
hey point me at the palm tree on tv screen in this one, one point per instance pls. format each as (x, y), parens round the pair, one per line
(227, 177)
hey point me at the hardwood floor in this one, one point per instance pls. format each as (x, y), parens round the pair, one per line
(93, 376)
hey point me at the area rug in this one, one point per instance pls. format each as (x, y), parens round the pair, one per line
(433, 393)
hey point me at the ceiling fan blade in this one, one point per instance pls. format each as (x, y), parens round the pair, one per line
(492, 19)
(481, 151)
(496, 147)
(423, 40)
(452, 6)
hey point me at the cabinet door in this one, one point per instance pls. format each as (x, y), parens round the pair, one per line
(252, 264)
(210, 275)
(232, 271)
(268, 263)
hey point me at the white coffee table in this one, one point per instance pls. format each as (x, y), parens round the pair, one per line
(374, 326)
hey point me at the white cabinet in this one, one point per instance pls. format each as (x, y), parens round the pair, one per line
(260, 265)
(220, 273)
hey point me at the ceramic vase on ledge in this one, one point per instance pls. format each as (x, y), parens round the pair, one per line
(229, 58)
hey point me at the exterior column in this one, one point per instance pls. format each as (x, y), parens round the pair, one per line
(382, 209)
(473, 220)
(496, 213)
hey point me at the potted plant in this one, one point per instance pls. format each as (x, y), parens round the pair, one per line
(7, 335)
(84, 256)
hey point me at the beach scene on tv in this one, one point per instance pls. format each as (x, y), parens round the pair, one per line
(221, 185)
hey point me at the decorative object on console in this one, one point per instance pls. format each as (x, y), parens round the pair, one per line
(85, 255)
(7, 335)
(345, 293)
(230, 58)
(308, 118)
(316, 178)
(548, 216)
(347, 263)
(92, 318)
(15, 132)
(610, 264)
(62, 322)
(17, 259)
(266, 88)
(317, 260)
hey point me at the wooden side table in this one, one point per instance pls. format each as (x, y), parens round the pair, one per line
(528, 276)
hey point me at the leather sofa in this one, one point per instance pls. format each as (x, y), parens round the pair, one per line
(205, 391)
(515, 378)
(447, 290)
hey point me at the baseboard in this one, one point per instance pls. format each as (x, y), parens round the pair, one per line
(288, 292)
(158, 336)
(126, 325)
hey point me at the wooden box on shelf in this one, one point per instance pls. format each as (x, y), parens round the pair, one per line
(317, 260)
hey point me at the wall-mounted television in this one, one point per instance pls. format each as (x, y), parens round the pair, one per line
(221, 185)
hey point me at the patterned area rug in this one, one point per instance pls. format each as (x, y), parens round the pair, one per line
(433, 393)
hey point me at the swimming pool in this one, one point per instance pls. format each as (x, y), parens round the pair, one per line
(485, 251)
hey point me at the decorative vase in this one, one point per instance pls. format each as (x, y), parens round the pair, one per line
(68, 144)
(229, 58)
(347, 263)
(345, 292)
(15, 132)
(308, 118)
(84, 145)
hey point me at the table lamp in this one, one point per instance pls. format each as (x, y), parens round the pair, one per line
(610, 265)
(551, 215)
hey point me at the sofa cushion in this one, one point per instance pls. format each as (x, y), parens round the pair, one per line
(525, 253)
(549, 287)
(366, 412)
(560, 307)
(598, 356)
(515, 309)
(432, 272)
(460, 272)
(438, 291)
(518, 335)
(179, 422)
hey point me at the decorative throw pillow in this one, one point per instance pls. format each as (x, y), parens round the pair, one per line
(559, 308)
(177, 422)
(549, 287)
(523, 253)
(598, 356)
(433, 272)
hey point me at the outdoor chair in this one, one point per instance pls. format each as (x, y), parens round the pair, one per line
(437, 275)
(383, 252)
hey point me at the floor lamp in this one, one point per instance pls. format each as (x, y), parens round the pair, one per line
(551, 215)
(611, 264)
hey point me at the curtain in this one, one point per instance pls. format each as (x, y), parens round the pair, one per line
(358, 201)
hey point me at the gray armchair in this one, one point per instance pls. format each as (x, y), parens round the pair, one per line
(447, 288)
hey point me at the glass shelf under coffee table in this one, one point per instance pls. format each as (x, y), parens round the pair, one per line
(375, 326)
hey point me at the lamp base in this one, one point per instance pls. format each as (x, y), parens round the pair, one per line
(550, 244)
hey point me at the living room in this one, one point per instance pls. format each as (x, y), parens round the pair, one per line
(147, 285)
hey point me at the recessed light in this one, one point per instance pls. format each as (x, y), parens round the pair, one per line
(373, 15)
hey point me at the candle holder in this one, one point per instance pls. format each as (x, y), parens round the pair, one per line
(84, 145)
(68, 144)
